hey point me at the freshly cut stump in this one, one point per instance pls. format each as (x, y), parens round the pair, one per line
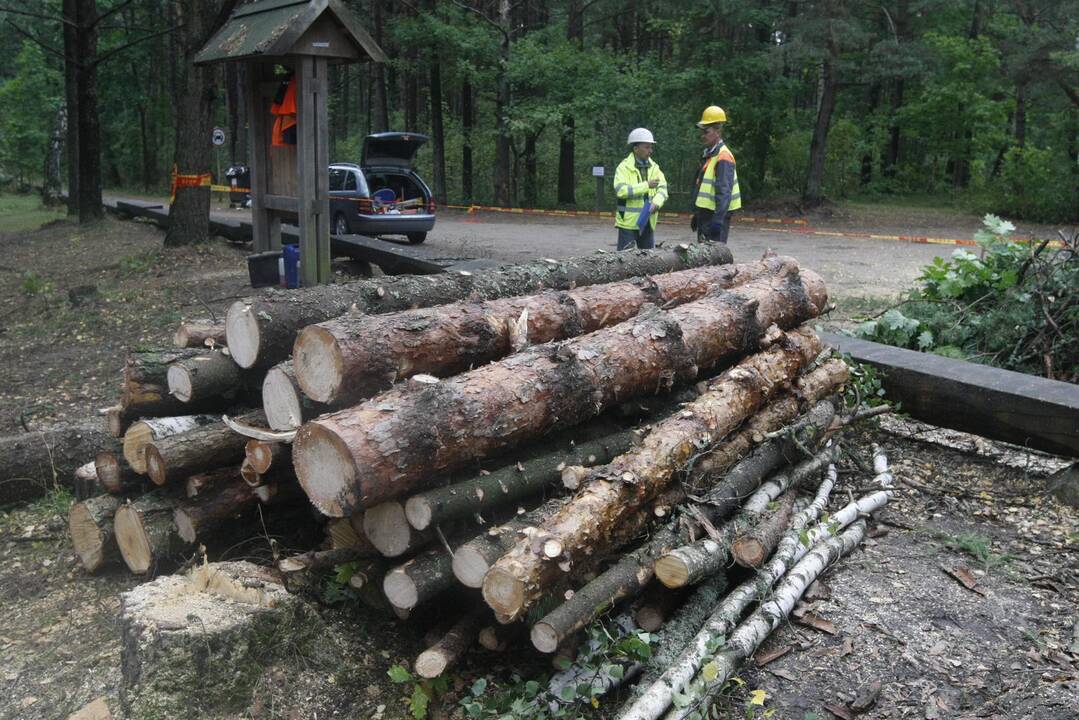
(196, 640)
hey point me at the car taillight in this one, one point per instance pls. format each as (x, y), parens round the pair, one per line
(431, 207)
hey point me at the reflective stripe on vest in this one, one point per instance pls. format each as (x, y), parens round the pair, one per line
(706, 191)
(628, 208)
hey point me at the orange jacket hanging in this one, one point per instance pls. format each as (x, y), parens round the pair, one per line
(284, 108)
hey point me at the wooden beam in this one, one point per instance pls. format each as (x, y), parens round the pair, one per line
(313, 159)
(259, 146)
(1000, 404)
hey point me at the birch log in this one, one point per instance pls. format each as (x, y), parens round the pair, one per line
(390, 445)
(586, 525)
(260, 332)
(352, 357)
(173, 458)
(146, 431)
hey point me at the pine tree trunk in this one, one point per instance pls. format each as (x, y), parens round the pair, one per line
(813, 195)
(467, 120)
(438, 138)
(364, 455)
(89, 122)
(261, 332)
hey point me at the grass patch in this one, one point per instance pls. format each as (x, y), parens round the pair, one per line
(19, 213)
(972, 544)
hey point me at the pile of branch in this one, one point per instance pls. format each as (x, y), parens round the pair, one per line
(597, 436)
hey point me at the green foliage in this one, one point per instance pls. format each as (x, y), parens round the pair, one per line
(977, 546)
(866, 385)
(30, 99)
(140, 263)
(34, 285)
(1015, 306)
(422, 692)
(1038, 184)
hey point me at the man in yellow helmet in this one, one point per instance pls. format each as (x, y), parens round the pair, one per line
(717, 194)
(641, 190)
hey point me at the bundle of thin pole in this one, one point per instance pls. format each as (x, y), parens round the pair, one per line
(494, 438)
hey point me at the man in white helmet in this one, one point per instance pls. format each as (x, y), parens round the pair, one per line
(641, 190)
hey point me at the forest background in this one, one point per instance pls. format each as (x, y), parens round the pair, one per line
(966, 102)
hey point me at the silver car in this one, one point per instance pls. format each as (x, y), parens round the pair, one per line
(382, 195)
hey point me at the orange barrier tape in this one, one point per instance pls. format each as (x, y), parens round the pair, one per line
(668, 217)
(182, 181)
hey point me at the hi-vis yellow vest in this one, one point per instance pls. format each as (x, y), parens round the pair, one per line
(632, 190)
(706, 191)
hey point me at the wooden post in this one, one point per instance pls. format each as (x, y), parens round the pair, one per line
(262, 224)
(313, 161)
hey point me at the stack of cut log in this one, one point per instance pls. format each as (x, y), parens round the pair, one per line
(571, 429)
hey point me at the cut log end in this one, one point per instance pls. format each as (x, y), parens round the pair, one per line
(133, 541)
(86, 537)
(184, 526)
(544, 637)
(672, 571)
(388, 530)
(281, 400)
(135, 440)
(573, 475)
(504, 593)
(400, 589)
(180, 384)
(469, 566)
(431, 663)
(110, 473)
(242, 334)
(552, 548)
(155, 465)
(650, 619)
(114, 421)
(318, 363)
(418, 513)
(748, 552)
(326, 470)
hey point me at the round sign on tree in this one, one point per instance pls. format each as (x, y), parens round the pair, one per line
(218, 136)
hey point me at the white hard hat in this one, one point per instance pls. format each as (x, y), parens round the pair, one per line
(640, 135)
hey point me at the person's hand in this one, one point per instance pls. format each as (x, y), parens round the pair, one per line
(693, 223)
(653, 183)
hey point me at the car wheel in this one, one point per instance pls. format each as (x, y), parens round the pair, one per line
(340, 225)
(416, 238)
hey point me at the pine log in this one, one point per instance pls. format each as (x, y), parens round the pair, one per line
(752, 548)
(144, 390)
(114, 475)
(390, 445)
(510, 483)
(590, 521)
(386, 527)
(204, 377)
(144, 432)
(199, 333)
(356, 355)
(205, 482)
(260, 332)
(198, 517)
(173, 458)
(263, 455)
(39, 461)
(145, 532)
(436, 659)
(285, 404)
(90, 524)
(419, 579)
(498, 637)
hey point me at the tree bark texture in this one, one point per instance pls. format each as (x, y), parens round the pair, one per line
(147, 431)
(389, 446)
(510, 483)
(752, 548)
(92, 536)
(198, 334)
(144, 391)
(419, 579)
(199, 517)
(204, 377)
(438, 658)
(88, 125)
(206, 482)
(473, 559)
(588, 523)
(352, 357)
(175, 457)
(260, 332)
(39, 461)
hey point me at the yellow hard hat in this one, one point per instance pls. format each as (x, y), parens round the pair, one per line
(712, 114)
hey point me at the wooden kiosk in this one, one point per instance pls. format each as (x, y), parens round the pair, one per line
(291, 182)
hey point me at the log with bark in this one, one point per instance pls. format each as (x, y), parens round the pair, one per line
(588, 524)
(285, 404)
(144, 388)
(657, 604)
(199, 333)
(205, 377)
(175, 457)
(39, 461)
(438, 658)
(114, 475)
(198, 517)
(390, 445)
(386, 527)
(260, 332)
(419, 579)
(84, 480)
(752, 548)
(319, 560)
(265, 455)
(91, 525)
(204, 482)
(352, 357)
(146, 431)
(146, 534)
(510, 483)
(474, 558)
